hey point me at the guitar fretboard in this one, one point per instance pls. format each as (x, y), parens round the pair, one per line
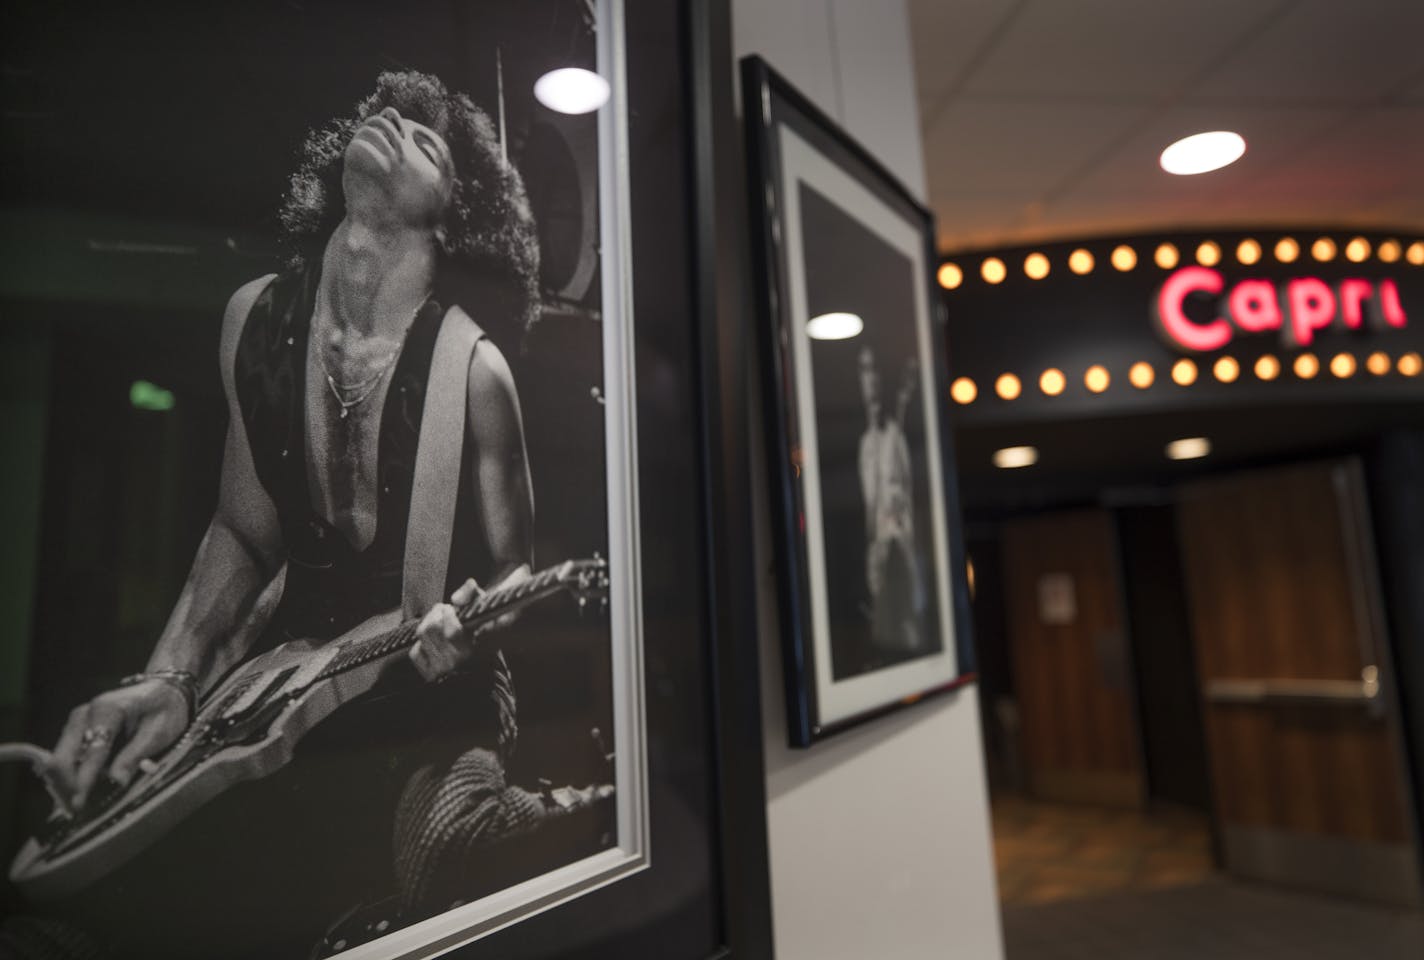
(483, 608)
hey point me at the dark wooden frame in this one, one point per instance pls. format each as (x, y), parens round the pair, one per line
(764, 93)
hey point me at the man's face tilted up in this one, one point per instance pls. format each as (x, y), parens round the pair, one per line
(401, 167)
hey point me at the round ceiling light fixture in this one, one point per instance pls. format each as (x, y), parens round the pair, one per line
(1203, 152)
(1189, 448)
(1011, 458)
(834, 326)
(571, 90)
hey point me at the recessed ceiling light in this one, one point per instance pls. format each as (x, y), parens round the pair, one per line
(1189, 448)
(834, 326)
(1010, 458)
(1203, 152)
(571, 90)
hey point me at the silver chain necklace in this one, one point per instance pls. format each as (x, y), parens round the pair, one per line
(340, 392)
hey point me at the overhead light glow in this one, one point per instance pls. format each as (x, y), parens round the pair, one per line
(834, 326)
(1189, 448)
(1080, 261)
(1010, 458)
(1203, 152)
(963, 390)
(950, 276)
(571, 90)
(1124, 258)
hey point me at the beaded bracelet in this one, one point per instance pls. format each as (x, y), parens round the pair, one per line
(184, 681)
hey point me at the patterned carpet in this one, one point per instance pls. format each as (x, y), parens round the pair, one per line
(1081, 883)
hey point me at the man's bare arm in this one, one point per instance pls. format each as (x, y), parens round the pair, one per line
(505, 496)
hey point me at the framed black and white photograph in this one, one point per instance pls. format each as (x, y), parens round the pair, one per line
(347, 614)
(870, 554)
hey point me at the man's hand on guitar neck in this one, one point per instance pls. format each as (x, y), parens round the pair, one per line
(443, 645)
(112, 734)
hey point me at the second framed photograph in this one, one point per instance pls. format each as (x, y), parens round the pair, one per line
(873, 592)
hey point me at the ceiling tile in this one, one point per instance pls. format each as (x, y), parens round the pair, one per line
(1018, 147)
(1326, 51)
(1378, 153)
(1127, 49)
(945, 35)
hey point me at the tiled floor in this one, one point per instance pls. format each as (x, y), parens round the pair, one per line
(1083, 883)
(1050, 852)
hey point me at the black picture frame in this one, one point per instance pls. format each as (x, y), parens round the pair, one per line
(704, 892)
(819, 699)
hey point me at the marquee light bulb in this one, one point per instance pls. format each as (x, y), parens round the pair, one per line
(834, 326)
(993, 270)
(950, 276)
(1036, 265)
(1203, 152)
(1141, 375)
(1124, 258)
(963, 390)
(571, 90)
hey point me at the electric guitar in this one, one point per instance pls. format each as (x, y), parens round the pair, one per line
(247, 728)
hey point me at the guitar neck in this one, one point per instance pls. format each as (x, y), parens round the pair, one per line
(484, 608)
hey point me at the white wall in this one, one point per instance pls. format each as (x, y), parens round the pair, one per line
(879, 837)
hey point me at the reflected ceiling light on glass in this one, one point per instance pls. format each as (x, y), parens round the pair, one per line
(1008, 386)
(1203, 152)
(1166, 256)
(1011, 458)
(1357, 250)
(1184, 373)
(1378, 363)
(1124, 258)
(1343, 365)
(1141, 375)
(1268, 368)
(1389, 251)
(571, 90)
(1226, 369)
(993, 270)
(1052, 381)
(1287, 250)
(834, 326)
(1080, 261)
(1189, 448)
(1248, 252)
(1208, 254)
(1036, 265)
(950, 276)
(963, 391)
(1306, 366)
(1323, 249)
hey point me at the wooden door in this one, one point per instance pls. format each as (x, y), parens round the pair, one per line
(1308, 785)
(1077, 711)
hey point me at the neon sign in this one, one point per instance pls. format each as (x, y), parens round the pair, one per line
(1298, 308)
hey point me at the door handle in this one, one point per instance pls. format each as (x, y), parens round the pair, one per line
(1364, 692)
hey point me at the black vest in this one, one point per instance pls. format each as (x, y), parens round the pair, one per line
(330, 585)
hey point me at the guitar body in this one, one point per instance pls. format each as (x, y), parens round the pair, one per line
(192, 772)
(248, 728)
